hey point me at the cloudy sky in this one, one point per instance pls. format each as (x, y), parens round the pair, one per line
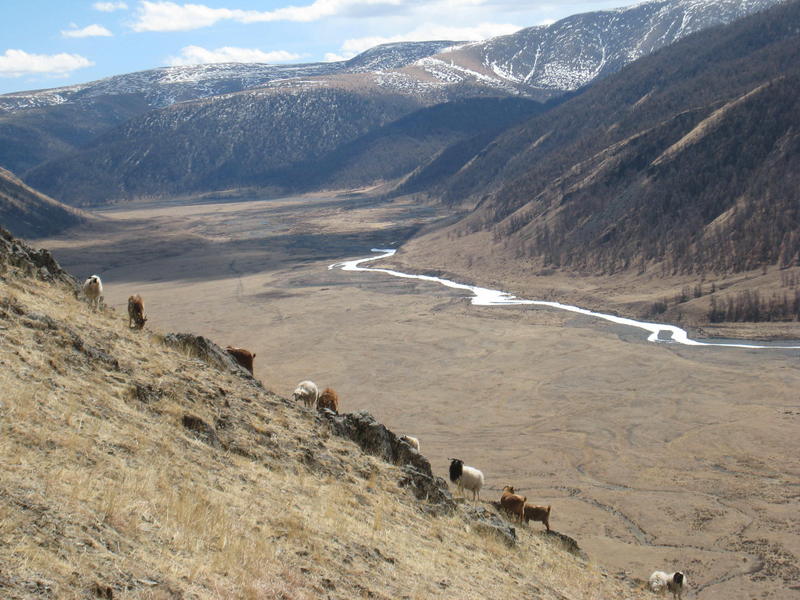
(49, 43)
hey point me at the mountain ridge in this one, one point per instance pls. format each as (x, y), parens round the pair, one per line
(422, 74)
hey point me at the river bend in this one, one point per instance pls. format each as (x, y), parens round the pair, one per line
(659, 332)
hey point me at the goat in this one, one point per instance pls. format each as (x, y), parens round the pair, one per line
(411, 441)
(328, 399)
(513, 502)
(243, 357)
(537, 513)
(136, 312)
(466, 478)
(660, 582)
(307, 391)
(93, 290)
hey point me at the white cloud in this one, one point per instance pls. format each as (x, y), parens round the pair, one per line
(160, 15)
(109, 6)
(93, 30)
(333, 57)
(427, 32)
(15, 63)
(193, 55)
(169, 16)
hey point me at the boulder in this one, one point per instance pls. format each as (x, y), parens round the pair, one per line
(201, 430)
(200, 347)
(19, 256)
(374, 438)
(483, 520)
(569, 544)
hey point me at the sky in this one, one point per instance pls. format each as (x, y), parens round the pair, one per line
(52, 43)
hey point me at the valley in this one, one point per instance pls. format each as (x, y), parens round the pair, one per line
(650, 454)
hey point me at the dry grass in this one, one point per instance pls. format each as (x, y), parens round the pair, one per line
(103, 490)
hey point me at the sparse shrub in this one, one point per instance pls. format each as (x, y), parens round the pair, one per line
(658, 308)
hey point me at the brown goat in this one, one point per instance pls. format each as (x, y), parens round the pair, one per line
(243, 357)
(328, 399)
(136, 312)
(538, 513)
(512, 502)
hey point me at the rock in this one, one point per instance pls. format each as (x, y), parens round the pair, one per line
(100, 590)
(207, 351)
(202, 430)
(31, 262)
(568, 543)
(92, 353)
(146, 393)
(485, 521)
(39, 321)
(374, 438)
(430, 489)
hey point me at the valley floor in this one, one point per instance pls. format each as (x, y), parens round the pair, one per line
(652, 456)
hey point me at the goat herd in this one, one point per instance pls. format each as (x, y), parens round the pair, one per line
(464, 476)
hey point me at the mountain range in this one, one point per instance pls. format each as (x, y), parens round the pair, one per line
(188, 130)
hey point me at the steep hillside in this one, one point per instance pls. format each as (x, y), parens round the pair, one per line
(688, 158)
(29, 213)
(139, 465)
(236, 141)
(400, 147)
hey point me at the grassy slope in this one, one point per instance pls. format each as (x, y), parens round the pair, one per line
(105, 491)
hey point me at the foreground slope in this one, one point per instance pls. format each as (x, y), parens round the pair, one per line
(135, 469)
(684, 163)
(29, 213)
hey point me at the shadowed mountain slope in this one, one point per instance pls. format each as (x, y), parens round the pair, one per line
(235, 141)
(398, 148)
(688, 158)
(30, 214)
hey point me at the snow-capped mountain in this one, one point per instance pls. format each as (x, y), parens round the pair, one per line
(537, 61)
(167, 85)
(548, 60)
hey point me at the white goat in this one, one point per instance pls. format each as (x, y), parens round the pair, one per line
(411, 441)
(466, 477)
(660, 582)
(93, 290)
(308, 392)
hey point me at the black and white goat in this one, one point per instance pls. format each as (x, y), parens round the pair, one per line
(466, 477)
(660, 582)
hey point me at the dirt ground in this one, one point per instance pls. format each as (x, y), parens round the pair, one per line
(652, 456)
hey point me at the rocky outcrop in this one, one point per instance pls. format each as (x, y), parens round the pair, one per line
(374, 438)
(17, 256)
(201, 347)
(569, 544)
(485, 521)
(201, 430)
